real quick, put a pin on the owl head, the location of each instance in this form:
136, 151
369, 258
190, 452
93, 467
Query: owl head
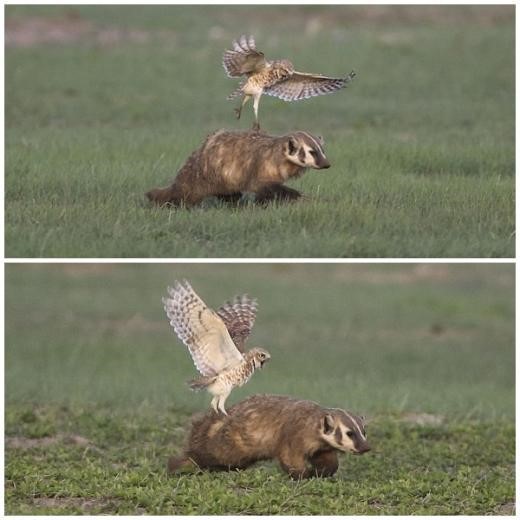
285, 65
259, 356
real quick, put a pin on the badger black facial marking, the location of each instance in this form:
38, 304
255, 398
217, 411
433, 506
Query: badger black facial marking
314, 143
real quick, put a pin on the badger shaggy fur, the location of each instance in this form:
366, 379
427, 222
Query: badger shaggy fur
303, 436
229, 164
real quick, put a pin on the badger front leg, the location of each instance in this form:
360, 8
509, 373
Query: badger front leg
231, 198
294, 465
277, 192
324, 463
182, 464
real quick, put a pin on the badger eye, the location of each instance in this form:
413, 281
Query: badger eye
314, 153
350, 434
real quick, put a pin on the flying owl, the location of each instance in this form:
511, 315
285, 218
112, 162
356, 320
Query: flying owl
275, 78
215, 340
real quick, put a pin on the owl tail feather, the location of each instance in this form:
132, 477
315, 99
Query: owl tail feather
201, 382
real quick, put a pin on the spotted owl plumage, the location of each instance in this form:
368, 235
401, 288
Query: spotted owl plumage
275, 78
215, 340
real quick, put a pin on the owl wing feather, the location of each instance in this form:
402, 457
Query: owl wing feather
201, 330
301, 85
239, 317
244, 58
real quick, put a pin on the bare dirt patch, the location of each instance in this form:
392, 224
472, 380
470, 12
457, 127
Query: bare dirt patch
398, 275
86, 504
68, 29
441, 334
26, 443
312, 20
85, 270
505, 509
385, 15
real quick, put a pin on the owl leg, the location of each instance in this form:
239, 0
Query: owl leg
256, 101
238, 111
214, 403
221, 401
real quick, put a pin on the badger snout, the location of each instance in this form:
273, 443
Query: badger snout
325, 164
320, 161
363, 448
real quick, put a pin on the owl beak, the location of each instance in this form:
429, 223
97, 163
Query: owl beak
264, 361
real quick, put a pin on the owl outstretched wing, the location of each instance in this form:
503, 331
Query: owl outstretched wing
301, 85
201, 330
239, 317
244, 58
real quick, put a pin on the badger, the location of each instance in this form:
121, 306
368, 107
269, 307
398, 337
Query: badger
303, 436
231, 163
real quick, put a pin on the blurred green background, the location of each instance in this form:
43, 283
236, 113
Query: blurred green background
105, 102
372, 338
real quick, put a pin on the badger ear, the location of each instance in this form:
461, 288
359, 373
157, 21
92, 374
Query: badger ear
292, 146
321, 140
327, 423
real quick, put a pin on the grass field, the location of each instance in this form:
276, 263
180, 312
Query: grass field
96, 398
103, 103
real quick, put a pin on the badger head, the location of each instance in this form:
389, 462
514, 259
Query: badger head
344, 431
305, 150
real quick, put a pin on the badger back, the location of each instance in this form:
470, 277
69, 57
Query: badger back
236, 159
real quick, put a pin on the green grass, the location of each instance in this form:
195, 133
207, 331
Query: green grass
96, 398
422, 143
117, 466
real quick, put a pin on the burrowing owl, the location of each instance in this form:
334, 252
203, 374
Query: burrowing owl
274, 78
215, 340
